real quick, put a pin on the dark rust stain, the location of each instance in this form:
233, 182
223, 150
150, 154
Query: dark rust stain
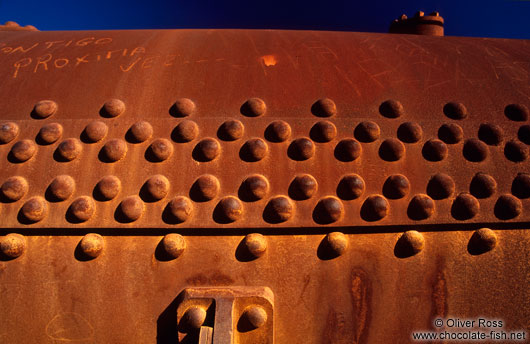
361, 295
439, 306
209, 279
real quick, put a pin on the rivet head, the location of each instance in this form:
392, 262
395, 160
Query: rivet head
348, 150
517, 112
92, 245
410, 132
254, 316
411, 243
132, 208
23, 150
205, 188
337, 242
113, 108
350, 187
396, 186
301, 149
475, 150
278, 131
254, 150
256, 244
465, 207
174, 244
61, 188
35, 209
69, 149
421, 207
302, 187
254, 188
328, 210
44, 108
279, 209
8, 132
323, 131
324, 107
157, 187
508, 207
374, 208
183, 107
482, 185
230, 209
82, 208
455, 110
186, 131
516, 151
254, 107
523, 134
50, 133
14, 188
180, 208
391, 150
141, 131
161, 149
450, 133
13, 245
207, 150
231, 130
521, 185
96, 131
194, 317
367, 131
115, 150
391, 109
108, 187
434, 150
441, 186
482, 241
490, 134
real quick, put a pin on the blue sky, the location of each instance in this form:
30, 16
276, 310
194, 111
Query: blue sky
502, 18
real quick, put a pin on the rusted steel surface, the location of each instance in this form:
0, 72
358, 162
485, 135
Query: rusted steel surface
420, 24
369, 183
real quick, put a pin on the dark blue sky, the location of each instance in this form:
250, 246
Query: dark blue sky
501, 18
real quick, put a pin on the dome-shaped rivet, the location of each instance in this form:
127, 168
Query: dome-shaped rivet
323, 131
482, 185
23, 150
410, 132
108, 187
374, 208
14, 188
279, 209
328, 210
450, 133
475, 150
183, 107
205, 188
254, 150
254, 317
35, 209
44, 109
409, 244
421, 207
82, 208
207, 150
367, 131
193, 318
441, 186
523, 134
229, 209
132, 208
96, 131
517, 112
61, 188
302, 187
141, 131
490, 134
350, 187
391, 150
347, 150
13, 245
180, 208
161, 149
174, 244
465, 207
231, 130
185, 131
278, 131
113, 108
8, 132
434, 150
301, 149
92, 245
396, 186
69, 149
157, 187
255, 244
516, 151
324, 107
114, 150
455, 110
482, 241
521, 186
337, 242
254, 188
391, 109
253, 107
508, 207
50, 133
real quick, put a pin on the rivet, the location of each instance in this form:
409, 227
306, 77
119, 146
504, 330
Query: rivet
132, 208
161, 149
403, 17
465, 207
174, 244
434, 150
391, 150
254, 150
450, 133
516, 112
186, 131
391, 109
410, 132
254, 107
302, 187
256, 244
350, 187
441, 186
278, 131
521, 185
61, 188
301, 149
231, 130
157, 187
516, 151
337, 242
14, 188
8, 132
115, 150
435, 14
482, 185
82, 208
35, 209
23, 150
490, 134
347, 150
96, 131
419, 14
183, 107
205, 188
13, 245
180, 208
483, 240
279, 209
524, 134
194, 317
508, 207
421, 207
323, 131
108, 187
254, 316
69, 149
455, 110
50, 133
475, 150
396, 186
141, 131
92, 245
44, 109
113, 108
207, 150
254, 188
374, 208
229, 209
411, 243
367, 131
329, 209
324, 107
